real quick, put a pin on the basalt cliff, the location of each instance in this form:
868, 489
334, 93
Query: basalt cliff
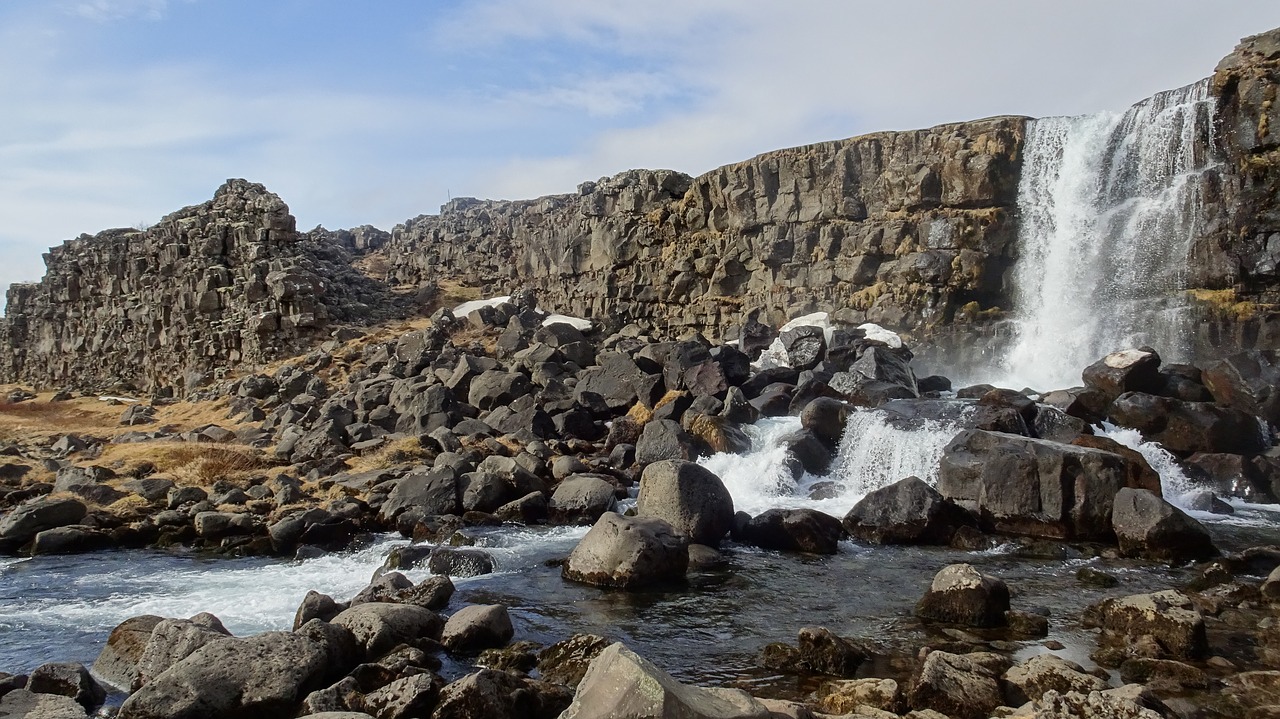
917, 231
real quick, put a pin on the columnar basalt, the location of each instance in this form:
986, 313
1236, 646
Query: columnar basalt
910, 229
207, 288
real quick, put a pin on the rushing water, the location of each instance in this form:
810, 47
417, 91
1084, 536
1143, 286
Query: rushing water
1109, 205
63, 608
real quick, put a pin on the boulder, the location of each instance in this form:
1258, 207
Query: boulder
435, 492
71, 539
1247, 381
805, 346
628, 553
171, 641
1185, 428
431, 593
33, 516
412, 696
622, 684
117, 663
26, 704
1133, 370
67, 679
496, 694
956, 685
581, 499
379, 627
961, 594
1168, 616
566, 662
1034, 487
849, 695
494, 388
792, 530
663, 439
908, 511
451, 562
216, 525
825, 417
689, 498
1045, 672
1147, 526
316, 606
477, 627
263, 675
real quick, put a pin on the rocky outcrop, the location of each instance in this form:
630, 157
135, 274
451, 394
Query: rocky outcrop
900, 228
210, 287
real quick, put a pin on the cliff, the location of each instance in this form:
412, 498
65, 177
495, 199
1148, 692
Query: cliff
207, 288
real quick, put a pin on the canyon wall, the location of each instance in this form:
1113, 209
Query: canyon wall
914, 230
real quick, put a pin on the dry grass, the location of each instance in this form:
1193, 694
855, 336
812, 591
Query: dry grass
405, 450
39, 419
187, 463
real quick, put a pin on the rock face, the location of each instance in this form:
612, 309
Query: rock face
207, 288
620, 683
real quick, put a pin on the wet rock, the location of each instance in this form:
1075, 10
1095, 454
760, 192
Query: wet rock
1139, 473
1234, 475
33, 516
1168, 616
847, 696
501, 695
581, 499
532, 508
316, 606
820, 651
379, 627
957, 686
1188, 427
117, 663
1045, 672
451, 562
566, 662
622, 684
1026, 624
908, 511
689, 498
1166, 673
962, 595
628, 553
825, 418
1033, 487
69, 680
1147, 526
431, 593
69, 540
1132, 370
477, 627
384, 588
792, 530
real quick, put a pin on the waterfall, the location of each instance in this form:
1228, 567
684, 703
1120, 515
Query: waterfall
1109, 205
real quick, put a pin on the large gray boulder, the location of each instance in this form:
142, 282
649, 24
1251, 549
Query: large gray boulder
1169, 616
628, 553
501, 695
688, 497
1147, 526
959, 686
1032, 487
67, 679
36, 515
792, 530
477, 627
620, 683
412, 696
380, 627
664, 439
906, 512
581, 499
1188, 427
960, 594
1130, 370
25, 704
171, 641
259, 676
117, 663
435, 492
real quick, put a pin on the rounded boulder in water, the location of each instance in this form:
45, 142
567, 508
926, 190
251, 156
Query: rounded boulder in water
687, 496
960, 594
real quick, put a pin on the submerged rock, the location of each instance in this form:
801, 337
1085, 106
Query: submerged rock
961, 594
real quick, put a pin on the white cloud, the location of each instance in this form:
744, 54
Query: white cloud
111, 10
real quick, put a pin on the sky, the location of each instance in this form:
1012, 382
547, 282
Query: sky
114, 113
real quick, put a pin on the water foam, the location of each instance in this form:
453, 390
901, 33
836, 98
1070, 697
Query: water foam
1109, 205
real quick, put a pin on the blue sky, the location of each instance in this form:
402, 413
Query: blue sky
116, 112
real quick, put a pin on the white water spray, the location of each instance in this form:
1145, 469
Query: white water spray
1109, 207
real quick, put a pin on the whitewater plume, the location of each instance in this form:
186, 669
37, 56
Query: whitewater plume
1109, 205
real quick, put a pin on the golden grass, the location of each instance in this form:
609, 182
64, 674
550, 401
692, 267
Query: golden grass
641, 414
405, 450
187, 463
39, 419
1225, 301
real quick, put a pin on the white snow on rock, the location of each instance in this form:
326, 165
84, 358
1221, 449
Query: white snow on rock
880, 334
467, 308
578, 323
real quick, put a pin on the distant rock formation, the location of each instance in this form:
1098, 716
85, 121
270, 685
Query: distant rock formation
207, 288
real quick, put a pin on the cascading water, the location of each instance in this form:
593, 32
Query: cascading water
1109, 206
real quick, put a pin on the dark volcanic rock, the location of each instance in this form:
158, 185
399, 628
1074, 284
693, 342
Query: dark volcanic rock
795, 530
906, 512
961, 594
